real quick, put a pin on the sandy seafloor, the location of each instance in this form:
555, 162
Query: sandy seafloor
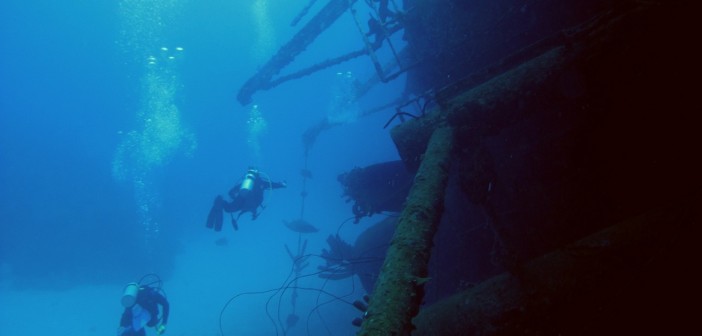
200, 280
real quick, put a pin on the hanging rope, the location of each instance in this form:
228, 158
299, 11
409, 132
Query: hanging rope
303, 193
299, 258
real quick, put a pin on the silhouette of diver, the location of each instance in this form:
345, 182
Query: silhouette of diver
383, 11
379, 27
247, 196
375, 28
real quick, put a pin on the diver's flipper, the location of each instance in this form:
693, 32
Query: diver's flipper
218, 221
215, 218
234, 224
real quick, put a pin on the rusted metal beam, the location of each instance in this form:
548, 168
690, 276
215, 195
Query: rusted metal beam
399, 290
262, 80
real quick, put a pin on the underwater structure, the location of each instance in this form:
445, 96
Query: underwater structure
564, 132
576, 148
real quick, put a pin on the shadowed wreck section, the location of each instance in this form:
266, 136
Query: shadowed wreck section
553, 169
587, 287
586, 133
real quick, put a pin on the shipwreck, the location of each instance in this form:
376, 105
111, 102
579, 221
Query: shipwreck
562, 132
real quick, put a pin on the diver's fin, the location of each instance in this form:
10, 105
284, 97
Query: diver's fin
214, 218
218, 221
234, 223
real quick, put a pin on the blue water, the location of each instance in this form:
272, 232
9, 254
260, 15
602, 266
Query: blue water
109, 164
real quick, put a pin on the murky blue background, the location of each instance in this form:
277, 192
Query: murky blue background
114, 142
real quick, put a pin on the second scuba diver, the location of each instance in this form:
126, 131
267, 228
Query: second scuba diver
247, 196
141, 309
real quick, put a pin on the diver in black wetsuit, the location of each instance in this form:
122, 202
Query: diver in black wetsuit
379, 27
246, 196
377, 30
141, 309
383, 10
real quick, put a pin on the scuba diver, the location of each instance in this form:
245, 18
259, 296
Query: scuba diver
376, 29
247, 196
383, 10
382, 26
141, 309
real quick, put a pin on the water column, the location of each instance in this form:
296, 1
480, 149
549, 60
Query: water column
263, 46
158, 133
256, 127
343, 106
265, 40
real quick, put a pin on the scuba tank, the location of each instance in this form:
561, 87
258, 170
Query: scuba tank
248, 183
130, 294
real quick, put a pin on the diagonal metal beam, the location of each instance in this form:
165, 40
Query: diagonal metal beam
262, 80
